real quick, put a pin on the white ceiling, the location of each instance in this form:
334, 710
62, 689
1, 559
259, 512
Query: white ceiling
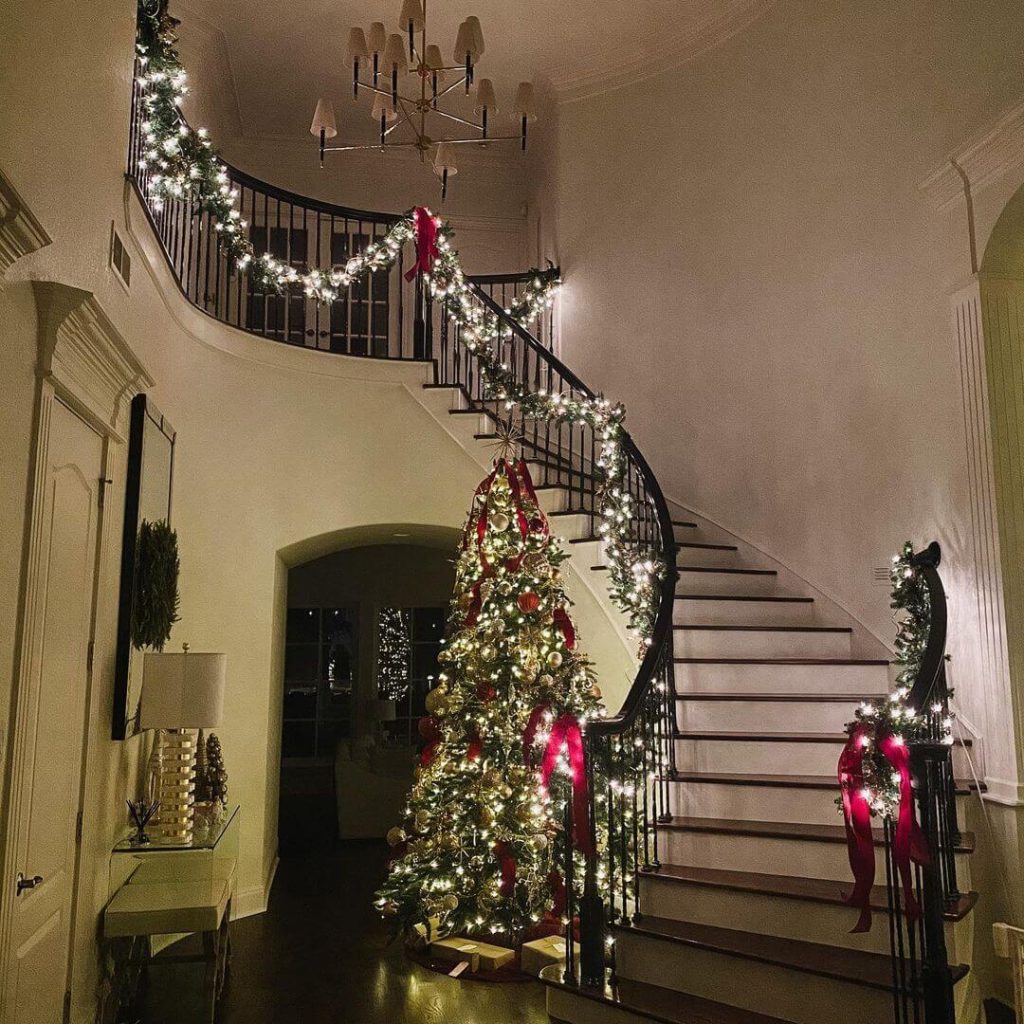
274, 59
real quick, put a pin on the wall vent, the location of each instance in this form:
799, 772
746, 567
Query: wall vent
880, 575
120, 258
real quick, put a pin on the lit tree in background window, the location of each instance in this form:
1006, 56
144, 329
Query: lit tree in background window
392, 654
482, 839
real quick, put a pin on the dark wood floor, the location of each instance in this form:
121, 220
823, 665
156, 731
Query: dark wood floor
320, 956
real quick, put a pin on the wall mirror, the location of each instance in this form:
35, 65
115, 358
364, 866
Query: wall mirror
148, 488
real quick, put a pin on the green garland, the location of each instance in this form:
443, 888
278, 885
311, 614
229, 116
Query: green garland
874, 718
182, 165
155, 607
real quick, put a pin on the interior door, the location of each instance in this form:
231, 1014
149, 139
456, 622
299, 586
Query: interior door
45, 823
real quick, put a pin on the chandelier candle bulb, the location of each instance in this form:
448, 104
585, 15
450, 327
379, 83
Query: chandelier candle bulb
486, 102
375, 43
357, 51
411, 19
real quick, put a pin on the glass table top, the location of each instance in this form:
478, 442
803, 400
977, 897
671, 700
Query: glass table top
202, 838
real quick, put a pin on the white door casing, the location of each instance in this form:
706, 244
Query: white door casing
87, 376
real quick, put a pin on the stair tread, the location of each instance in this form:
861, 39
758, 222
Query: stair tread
716, 628
665, 1005
740, 735
701, 546
801, 831
780, 661
826, 782
727, 569
685, 523
774, 598
753, 696
815, 890
859, 967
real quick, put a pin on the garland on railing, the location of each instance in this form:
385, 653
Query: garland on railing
183, 165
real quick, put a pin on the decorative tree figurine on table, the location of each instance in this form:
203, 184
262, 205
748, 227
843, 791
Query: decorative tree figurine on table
477, 849
216, 773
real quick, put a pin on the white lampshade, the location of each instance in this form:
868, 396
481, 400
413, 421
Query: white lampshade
485, 98
382, 107
433, 58
444, 159
394, 53
183, 691
378, 38
473, 24
412, 11
323, 120
357, 44
465, 43
523, 105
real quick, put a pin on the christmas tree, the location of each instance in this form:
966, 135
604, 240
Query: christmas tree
392, 654
483, 837
216, 773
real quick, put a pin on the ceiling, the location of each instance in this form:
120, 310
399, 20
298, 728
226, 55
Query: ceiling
268, 62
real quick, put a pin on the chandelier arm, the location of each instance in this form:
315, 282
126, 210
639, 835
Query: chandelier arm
371, 145
461, 120
448, 88
476, 142
405, 113
384, 92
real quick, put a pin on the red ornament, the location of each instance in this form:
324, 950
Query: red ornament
486, 691
475, 748
429, 728
529, 601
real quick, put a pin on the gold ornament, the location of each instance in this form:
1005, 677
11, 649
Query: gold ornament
491, 778
546, 680
395, 836
595, 692
555, 659
540, 840
500, 521
435, 701
488, 653
422, 821
450, 902
523, 814
486, 816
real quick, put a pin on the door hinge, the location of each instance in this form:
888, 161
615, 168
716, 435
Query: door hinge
67, 1007
78, 828
90, 653
105, 482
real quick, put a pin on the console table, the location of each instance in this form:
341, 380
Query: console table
162, 892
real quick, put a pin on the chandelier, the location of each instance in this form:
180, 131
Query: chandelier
382, 62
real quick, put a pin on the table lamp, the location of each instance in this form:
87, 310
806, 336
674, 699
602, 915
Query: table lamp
180, 693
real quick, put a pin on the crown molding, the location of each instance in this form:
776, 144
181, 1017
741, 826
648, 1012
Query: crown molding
85, 357
607, 70
984, 158
20, 230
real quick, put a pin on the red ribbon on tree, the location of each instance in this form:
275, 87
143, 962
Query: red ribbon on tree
564, 623
427, 252
503, 851
566, 732
909, 844
428, 752
475, 747
530, 732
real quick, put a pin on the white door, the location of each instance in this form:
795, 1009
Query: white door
46, 813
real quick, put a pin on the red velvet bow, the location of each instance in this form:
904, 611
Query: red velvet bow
566, 732
909, 844
427, 251
564, 623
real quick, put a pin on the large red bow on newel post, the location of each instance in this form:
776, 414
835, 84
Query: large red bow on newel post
427, 252
566, 732
908, 844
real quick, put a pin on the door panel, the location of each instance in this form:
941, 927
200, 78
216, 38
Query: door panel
45, 829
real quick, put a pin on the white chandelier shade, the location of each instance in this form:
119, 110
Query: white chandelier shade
324, 123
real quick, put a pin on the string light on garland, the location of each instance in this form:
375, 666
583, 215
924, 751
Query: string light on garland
183, 165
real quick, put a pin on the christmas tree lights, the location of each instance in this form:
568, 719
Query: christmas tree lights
393, 649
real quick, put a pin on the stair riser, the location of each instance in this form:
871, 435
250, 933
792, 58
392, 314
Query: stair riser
771, 856
707, 556
760, 643
564, 1005
724, 582
757, 757
777, 915
764, 988
567, 528
763, 803
866, 679
763, 716
553, 499
744, 613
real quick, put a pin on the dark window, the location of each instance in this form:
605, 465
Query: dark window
359, 319
279, 316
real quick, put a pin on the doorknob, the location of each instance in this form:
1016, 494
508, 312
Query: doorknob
28, 883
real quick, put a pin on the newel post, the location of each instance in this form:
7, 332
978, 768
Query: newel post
591, 904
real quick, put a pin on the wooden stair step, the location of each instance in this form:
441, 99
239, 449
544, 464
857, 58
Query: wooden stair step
691, 545
794, 698
774, 598
838, 738
858, 967
652, 1002
798, 831
685, 524
712, 628
780, 661
812, 890
727, 569
822, 782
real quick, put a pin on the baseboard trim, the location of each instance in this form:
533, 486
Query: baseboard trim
248, 902
1003, 791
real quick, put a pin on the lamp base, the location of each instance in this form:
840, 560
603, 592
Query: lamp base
175, 786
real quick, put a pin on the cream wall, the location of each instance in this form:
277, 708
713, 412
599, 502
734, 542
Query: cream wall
749, 260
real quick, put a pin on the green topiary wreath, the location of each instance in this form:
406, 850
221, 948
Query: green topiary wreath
155, 609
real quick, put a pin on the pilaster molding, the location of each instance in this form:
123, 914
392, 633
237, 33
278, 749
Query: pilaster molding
20, 230
984, 158
85, 357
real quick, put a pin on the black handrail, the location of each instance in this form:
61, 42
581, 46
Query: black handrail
930, 684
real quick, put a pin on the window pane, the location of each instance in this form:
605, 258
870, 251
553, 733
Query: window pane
303, 625
298, 739
301, 663
427, 623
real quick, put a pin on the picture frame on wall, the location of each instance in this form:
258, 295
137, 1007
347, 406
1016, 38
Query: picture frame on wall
148, 499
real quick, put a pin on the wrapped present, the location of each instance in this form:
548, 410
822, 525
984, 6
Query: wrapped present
424, 934
494, 957
455, 950
541, 953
